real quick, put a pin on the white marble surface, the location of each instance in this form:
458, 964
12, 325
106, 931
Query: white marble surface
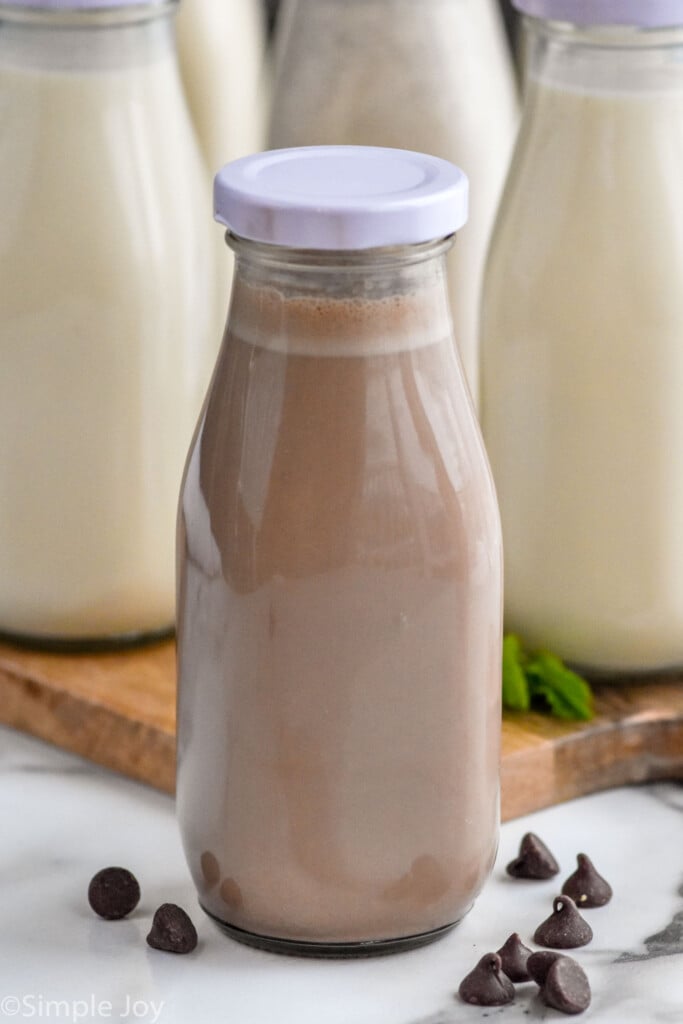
63, 819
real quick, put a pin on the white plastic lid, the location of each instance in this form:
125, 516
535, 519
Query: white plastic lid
80, 5
638, 13
341, 197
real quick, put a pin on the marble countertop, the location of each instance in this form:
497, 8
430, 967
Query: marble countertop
63, 819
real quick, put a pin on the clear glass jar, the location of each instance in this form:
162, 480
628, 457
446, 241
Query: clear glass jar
582, 322
339, 615
107, 270
434, 76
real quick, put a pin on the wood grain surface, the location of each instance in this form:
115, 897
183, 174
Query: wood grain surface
118, 710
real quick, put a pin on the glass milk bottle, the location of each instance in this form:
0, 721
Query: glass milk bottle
106, 309
428, 75
339, 633
582, 327
222, 48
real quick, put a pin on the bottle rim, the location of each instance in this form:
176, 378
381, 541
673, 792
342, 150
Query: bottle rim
337, 260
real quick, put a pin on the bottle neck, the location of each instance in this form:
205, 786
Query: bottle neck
96, 40
340, 304
615, 59
393, 269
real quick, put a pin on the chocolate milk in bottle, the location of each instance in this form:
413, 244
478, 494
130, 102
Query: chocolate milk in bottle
339, 617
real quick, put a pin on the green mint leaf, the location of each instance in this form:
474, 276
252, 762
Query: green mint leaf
516, 694
567, 694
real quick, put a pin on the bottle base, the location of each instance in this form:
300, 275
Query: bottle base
602, 675
85, 645
330, 950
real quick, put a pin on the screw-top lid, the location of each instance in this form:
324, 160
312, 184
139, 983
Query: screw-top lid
341, 197
80, 5
638, 13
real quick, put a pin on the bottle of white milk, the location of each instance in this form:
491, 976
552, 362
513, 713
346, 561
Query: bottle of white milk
428, 75
222, 50
107, 309
582, 337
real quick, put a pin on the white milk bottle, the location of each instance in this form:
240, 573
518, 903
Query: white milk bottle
434, 76
107, 308
582, 329
221, 44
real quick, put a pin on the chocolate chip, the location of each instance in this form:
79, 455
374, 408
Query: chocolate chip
586, 887
513, 956
565, 928
534, 860
172, 930
486, 985
566, 986
113, 893
539, 964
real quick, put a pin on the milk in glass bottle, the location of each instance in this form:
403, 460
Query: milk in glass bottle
106, 314
339, 612
434, 76
222, 49
582, 325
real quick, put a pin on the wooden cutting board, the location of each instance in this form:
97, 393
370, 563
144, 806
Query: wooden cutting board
119, 710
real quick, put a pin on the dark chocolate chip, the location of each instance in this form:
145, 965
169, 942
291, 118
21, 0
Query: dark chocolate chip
586, 887
113, 893
172, 930
486, 985
566, 986
514, 955
539, 964
565, 928
534, 860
